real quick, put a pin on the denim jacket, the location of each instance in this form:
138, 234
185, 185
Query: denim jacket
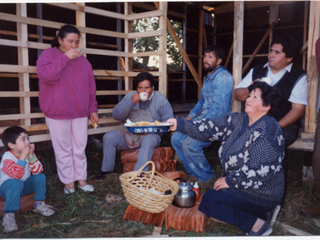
215, 97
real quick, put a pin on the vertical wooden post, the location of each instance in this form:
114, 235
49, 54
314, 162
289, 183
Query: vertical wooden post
201, 16
273, 18
120, 62
23, 59
312, 75
237, 49
81, 21
163, 49
39, 28
184, 67
128, 85
182, 51
305, 24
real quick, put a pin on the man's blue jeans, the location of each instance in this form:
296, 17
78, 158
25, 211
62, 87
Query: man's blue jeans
190, 152
13, 189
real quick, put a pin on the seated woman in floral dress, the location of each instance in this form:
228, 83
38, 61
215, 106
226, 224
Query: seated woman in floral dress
251, 154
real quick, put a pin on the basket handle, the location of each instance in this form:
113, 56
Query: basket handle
141, 169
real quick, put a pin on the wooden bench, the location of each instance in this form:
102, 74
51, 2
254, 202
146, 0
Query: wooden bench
26, 203
40, 132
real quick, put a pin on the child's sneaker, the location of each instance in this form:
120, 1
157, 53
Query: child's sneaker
9, 222
44, 209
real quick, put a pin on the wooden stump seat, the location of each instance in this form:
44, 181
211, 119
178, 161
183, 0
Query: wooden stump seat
188, 219
163, 157
26, 203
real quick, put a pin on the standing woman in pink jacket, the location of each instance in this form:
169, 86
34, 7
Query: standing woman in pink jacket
67, 97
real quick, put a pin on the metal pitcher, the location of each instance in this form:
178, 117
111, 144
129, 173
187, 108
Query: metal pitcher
185, 197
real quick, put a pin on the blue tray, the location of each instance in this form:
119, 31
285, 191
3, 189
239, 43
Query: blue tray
148, 129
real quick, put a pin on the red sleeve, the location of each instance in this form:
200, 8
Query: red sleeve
36, 167
12, 169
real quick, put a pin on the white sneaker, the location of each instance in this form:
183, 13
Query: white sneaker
44, 209
9, 222
87, 188
71, 190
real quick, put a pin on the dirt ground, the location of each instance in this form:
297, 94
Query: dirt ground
89, 215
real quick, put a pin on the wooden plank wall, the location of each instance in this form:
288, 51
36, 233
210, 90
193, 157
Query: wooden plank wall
25, 72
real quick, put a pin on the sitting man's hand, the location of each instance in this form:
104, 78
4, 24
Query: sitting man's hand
135, 98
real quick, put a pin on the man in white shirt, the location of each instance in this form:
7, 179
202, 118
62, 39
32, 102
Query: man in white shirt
290, 80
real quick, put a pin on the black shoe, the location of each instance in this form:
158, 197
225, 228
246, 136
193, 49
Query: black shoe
102, 176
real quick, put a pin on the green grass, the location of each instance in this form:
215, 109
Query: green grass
84, 215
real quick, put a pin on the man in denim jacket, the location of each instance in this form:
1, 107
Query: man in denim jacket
215, 101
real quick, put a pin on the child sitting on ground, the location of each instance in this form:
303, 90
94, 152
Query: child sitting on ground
20, 175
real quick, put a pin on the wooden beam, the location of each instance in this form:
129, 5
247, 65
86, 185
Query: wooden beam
21, 116
205, 42
23, 59
200, 46
183, 52
312, 73
149, 14
302, 144
145, 34
163, 6
91, 131
98, 72
151, 7
25, 44
237, 49
21, 94
258, 48
293, 230
128, 46
81, 22
83, 48
229, 55
229, 7
112, 92
91, 10
305, 29
56, 25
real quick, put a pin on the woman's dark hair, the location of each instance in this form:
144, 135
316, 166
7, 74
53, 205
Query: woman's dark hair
145, 76
289, 44
11, 134
218, 51
269, 95
64, 30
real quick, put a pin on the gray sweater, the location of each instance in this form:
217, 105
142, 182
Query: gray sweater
160, 107
251, 156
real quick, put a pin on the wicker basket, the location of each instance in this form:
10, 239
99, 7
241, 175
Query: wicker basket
136, 187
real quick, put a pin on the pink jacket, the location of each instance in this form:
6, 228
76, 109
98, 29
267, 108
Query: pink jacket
67, 87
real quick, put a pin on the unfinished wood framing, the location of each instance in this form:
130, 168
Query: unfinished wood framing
237, 49
25, 72
22, 36
312, 73
26, 41
163, 49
